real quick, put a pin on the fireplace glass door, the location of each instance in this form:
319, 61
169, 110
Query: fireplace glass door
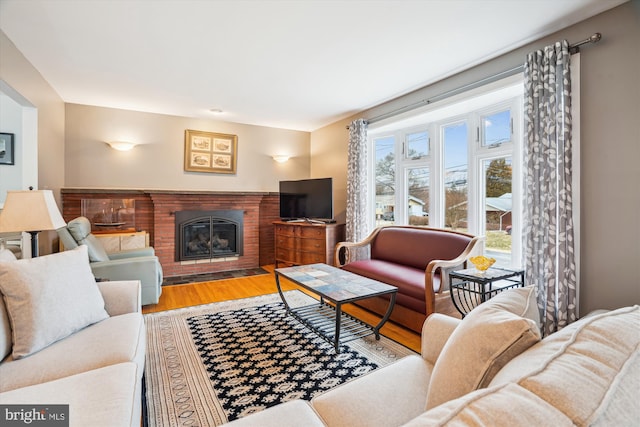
206, 237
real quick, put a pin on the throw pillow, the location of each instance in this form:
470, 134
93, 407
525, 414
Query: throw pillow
5, 328
49, 298
7, 255
487, 338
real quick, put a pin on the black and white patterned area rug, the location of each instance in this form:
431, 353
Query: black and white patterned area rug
214, 363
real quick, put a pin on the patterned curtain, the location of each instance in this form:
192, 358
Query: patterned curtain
548, 225
357, 227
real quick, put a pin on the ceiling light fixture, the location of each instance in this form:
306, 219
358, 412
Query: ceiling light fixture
122, 145
281, 158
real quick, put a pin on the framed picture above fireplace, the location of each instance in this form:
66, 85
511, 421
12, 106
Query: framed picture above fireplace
210, 152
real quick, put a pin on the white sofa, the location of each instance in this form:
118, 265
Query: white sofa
491, 369
65, 339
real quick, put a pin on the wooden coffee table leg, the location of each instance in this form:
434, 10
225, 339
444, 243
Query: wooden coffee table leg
392, 303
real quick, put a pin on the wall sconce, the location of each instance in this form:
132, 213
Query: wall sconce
122, 145
281, 158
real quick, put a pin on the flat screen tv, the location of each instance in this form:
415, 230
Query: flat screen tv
307, 199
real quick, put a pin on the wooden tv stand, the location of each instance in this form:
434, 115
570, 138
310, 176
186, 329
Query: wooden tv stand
298, 243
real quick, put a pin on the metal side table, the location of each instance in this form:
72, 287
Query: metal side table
471, 287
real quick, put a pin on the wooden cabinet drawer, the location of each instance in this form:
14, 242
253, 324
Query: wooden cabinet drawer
312, 232
285, 230
287, 242
287, 255
312, 245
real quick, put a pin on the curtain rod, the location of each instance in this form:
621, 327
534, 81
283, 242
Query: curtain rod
573, 48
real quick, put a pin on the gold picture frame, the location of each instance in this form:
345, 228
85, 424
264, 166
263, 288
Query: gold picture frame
210, 152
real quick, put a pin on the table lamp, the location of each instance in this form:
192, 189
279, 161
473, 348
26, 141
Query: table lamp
30, 211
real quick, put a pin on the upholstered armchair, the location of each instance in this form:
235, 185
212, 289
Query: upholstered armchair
135, 264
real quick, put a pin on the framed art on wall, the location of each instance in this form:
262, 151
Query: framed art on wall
7, 156
210, 152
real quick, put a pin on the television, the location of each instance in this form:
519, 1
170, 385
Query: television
307, 200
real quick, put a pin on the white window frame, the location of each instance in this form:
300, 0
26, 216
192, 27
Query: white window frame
432, 119
403, 164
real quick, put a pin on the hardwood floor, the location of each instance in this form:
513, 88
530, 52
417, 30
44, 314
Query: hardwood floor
178, 296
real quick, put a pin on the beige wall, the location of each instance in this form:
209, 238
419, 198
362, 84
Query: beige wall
610, 138
158, 162
23, 78
11, 177
20, 75
329, 159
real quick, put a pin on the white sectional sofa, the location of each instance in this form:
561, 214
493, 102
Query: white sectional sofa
491, 369
65, 339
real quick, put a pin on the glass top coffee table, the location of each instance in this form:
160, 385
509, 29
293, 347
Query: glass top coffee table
335, 287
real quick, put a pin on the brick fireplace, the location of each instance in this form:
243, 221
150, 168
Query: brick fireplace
156, 214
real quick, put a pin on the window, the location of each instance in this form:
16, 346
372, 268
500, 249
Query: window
497, 205
417, 201
451, 165
417, 145
496, 128
456, 169
385, 181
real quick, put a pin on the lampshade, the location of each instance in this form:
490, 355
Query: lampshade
30, 211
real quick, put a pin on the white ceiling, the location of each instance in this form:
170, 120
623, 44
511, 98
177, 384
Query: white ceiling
288, 64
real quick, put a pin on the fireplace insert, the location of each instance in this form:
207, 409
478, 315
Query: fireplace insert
208, 234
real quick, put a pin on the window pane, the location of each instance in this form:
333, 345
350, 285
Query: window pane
455, 178
418, 197
498, 209
385, 180
417, 145
496, 128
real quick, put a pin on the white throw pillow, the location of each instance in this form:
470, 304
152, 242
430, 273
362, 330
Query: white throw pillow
5, 328
6, 255
485, 340
49, 298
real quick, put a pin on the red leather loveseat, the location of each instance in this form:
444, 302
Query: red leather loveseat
413, 259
